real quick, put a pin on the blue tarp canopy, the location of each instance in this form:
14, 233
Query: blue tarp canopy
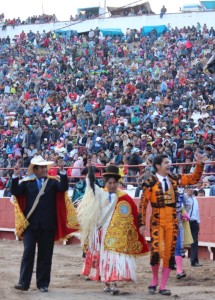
67, 33
159, 28
111, 31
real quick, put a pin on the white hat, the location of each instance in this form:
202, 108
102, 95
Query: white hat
38, 161
165, 141
99, 125
135, 150
98, 139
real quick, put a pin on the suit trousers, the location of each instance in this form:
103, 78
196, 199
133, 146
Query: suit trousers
44, 239
194, 227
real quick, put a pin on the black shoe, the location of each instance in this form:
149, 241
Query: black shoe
181, 275
20, 287
113, 289
165, 292
43, 289
152, 289
196, 265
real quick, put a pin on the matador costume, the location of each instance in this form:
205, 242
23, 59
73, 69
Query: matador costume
164, 223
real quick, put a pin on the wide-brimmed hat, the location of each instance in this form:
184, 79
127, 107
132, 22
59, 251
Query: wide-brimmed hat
112, 171
38, 161
211, 178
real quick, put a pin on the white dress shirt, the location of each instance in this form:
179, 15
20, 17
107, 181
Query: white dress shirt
193, 208
161, 179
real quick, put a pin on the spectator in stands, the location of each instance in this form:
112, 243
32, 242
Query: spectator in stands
201, 193
163, 11
211, 180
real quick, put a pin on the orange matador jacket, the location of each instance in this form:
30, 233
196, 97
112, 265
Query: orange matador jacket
153, 192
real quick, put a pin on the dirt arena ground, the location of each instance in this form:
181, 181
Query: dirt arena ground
67, 284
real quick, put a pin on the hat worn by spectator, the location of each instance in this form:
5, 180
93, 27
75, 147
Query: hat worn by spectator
209, 147
165, 142
98, 139
211, 178
135, 150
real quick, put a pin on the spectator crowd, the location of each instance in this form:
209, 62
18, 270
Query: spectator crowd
40, 19
107, 100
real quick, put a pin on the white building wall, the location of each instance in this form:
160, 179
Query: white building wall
179, 20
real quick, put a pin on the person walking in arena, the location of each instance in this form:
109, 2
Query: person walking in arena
108, 221
43, 213
192, 208
161, 191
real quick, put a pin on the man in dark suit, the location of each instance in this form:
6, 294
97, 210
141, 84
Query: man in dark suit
42, 222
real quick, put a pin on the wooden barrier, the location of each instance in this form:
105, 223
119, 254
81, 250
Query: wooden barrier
207, 228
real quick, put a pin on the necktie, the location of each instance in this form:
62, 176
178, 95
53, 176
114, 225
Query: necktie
165, 185
39, 183
110, 197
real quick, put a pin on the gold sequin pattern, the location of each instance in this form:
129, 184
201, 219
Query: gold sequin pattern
21, 223
71, 220
122, 235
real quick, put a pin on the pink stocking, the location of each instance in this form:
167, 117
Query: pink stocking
179, 262
165, 277
155, 270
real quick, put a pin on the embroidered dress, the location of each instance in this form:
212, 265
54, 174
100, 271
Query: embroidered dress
113, 240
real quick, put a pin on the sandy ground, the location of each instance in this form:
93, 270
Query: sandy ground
68, 284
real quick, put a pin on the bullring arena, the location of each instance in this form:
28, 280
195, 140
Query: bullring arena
68, 284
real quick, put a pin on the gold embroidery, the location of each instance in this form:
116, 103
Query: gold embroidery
122, 235
21, 223
169, 196
71, 216
120, 193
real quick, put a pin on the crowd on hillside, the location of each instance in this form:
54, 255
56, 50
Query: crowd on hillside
107, 100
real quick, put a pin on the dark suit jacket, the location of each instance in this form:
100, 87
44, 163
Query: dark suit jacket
44, 216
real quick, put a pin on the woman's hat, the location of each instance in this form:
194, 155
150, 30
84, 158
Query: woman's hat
38, 161
112, 171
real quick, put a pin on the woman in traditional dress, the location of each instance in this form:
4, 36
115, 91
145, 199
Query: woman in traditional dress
109, 231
